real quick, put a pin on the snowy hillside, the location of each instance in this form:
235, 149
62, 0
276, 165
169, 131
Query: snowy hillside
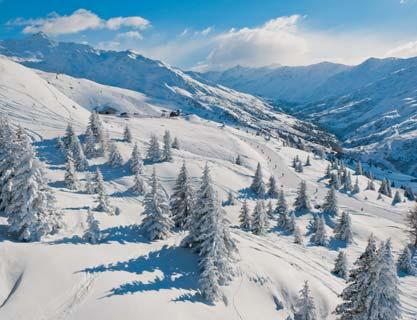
65, 277
293, 84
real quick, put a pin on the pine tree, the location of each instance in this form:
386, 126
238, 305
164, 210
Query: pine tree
291, 225
270, 210
176, 144
302, 203
330, 206
90, 188
139, 186
244, 217
60, 144
340, 266
383, 189
305, 308
371, 185
281, 210
299, 167
70, 178
80, 160
356, 188
297, 236
358, 287
90, 149
409, 194
347, 184
157, 223
397, 198
182, 199
272, 188
166, 151
259, 219
92, 233
319, 237
96, 127
328, 172
69, 133
31, 210
404, 263
136, 162
115, 158
258, 186
308, 163
127, 135
102, 199
358, 169
238, 160
411, 220
154, 152
209, 279
343, 230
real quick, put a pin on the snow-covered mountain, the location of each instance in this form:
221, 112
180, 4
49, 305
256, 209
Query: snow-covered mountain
293, 84
159, 83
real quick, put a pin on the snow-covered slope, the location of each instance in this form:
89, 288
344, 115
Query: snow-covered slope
27, 99
127, 277
294, 84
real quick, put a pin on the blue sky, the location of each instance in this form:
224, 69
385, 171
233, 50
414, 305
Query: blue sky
222, 33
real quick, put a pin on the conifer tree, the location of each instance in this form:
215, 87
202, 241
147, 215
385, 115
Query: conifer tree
411, 220
90, 149
397, 198
127, 135
356, 189
297, 236
319, 237
358, 169
136, 162
328, 172
115, 158
371, 184
90, 188
272, 188
176, 144
70, 178
258, 186
340, 267
299, 167
270, 210
92, 233
291, 225
102, 198
308, 163
343, 230
281, 210
182, 199
383, 189
157, 223
60, 144
31, 207
244, 217
302, 202
347, 184
330, 206
139, 186
69, 133
404, 263
166, 151
238, 160
80, 160
259, 219
409, 194
154, 152
305, 308
96, 127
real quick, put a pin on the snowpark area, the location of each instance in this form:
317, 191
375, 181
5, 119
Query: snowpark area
65, 277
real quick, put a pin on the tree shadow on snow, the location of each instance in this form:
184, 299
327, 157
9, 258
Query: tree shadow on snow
48, 153
178, 266
335, 244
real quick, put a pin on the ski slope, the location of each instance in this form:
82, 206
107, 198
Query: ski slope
127, 277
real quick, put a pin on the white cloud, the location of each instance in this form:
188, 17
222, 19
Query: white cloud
129, 35
406, 50
80, 20
205, 31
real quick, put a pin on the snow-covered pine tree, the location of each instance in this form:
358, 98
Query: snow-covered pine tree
347, 184
69, 133
383, 189
115, 158
60, 144
270, 210
340, 268
302, 202
70, 177
80, 160
182, 199
356, 188
258, 186
96, 127
299, 167
330, 206
244, 217
308, 162
166, 150
281, 210
259, 219
92, 233
209, 279
127, 135
305, 308
139, 186
319, 237
343, 230
404, 263
411, 220
154, 152
397, 198
90, 187
238, 160
334, 181
298, 239
90, 149
409, 194
272, 188
291, 224
136, 162
176, 144
358, 285
389, 194
102, 198
157, 223
31, 210
358, 169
